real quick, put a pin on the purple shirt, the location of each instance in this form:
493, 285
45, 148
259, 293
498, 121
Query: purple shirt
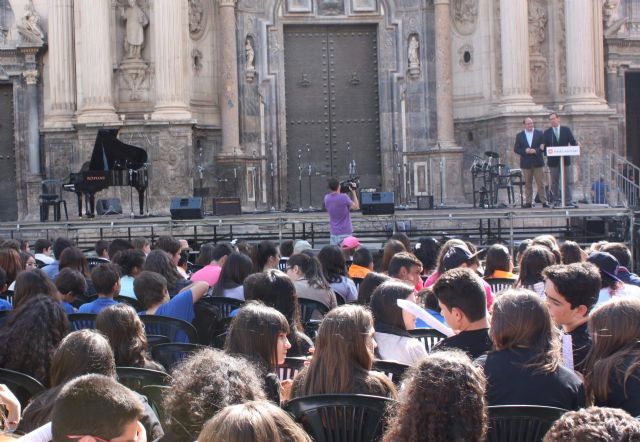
338, 206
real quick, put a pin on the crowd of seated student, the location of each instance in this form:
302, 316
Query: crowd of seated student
514, 336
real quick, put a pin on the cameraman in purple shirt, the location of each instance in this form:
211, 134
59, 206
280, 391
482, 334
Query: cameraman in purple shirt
338, 206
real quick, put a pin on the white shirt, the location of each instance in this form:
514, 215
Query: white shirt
44, 258
529, 136
399, 348
626, 290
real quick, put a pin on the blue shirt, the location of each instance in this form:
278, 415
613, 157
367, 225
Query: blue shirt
126, 287
178, 307
68, 308
52, 269
5, 305
97, 306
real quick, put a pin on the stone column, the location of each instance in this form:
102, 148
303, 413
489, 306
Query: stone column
514, 37
33, 122
444, 74
62, 78
581, 51
169, 27
229, 76
94, 69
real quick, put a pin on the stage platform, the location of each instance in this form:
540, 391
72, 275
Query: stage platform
584, 224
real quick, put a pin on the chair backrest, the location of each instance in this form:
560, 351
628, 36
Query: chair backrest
393, 370
357, 281
80, 321
23, 386
520, 423
428, 336
310, 309
172, 353
153, 340
225, 305
290, 368
499, 284
340, 417
129, 301
136, 378
50, 190
176, 330
155, 395
93, 261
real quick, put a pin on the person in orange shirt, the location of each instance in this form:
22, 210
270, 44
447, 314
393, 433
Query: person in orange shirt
362, 264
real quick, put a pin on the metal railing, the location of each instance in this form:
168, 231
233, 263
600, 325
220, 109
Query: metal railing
625, 181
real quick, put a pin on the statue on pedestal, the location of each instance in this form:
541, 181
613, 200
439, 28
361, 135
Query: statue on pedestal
413, 54
136, 21
29, 29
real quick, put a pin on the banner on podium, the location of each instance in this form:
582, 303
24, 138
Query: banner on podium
563, 151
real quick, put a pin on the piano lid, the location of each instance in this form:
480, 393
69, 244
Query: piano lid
109, 153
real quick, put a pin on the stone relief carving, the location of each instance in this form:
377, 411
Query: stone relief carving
196, 58
464, 15
413, 55
197, 19
29, 28
562, 52
613, 23
538, 19
330, 7
250, 55
135, 77
136, 20
466, 56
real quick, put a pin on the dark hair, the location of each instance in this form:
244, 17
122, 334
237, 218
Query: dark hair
36, 327
522, 247
212, 252
498, 258
333, 263
391, 247
102, 245
104, 277
362, 257
403, 260
169, 244
30, 284
160, 262
93, 405
383, 304
124, 330
430, 299
71, 281
311, 268
59, 245
205, 383
129, 259
234, 271
24, 257
11, 263
140, 243
578, 283
521, 320
426, 250
368, 285
462, 288
41, 244
262, 252
3, 278
595, 424
149, 287
451, 394
619, 251
72, 257
404, 239
286, 248
570, 252
333, 184
532, 262
443, 251
254, 334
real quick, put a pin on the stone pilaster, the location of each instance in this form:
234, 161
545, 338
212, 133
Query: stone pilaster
514, 38
33, 122
95, 71
229, 77
62, 79
581, 48
444, 74
169, 27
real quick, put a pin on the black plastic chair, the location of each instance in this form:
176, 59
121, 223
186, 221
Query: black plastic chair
340, 417
225, 305
137, 378
290, 368
499, 284
311, 314
393, 370
81, 321
521, 423
357, 281
428, 336
23, 386
155, 395
51, 196
153, 340
176, 330
503, 181
172, 353
129, 301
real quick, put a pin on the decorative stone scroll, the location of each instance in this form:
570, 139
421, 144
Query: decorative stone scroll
464, 15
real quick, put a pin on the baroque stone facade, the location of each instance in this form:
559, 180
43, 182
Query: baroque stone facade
200, 85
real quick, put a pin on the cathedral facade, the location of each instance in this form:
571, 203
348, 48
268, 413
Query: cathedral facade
263, 100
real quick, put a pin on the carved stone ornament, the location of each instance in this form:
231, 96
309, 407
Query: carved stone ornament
464, 15
538, 19
196, 59
330, 7
31, 76
136, 20
413, 56
135, 74
250, 55
613, 23
29, 27
197, 18
466, 56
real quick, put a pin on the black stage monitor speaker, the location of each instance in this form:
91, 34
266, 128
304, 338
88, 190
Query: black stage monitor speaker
425, 202
377, 203
109, 206
226, 206
186, 208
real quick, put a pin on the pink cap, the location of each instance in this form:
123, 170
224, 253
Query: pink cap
350, 242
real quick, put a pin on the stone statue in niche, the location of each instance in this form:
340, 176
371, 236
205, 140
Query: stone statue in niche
29, 29
613, 23
537, 27
250, 56
197, 18
465, 14
413, 55
136, 21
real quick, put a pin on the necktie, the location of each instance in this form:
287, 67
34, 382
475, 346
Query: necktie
556, 131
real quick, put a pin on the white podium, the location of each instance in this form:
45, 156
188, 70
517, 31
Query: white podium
562, 151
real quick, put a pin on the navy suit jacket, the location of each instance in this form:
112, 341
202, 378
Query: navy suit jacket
527, 160
566, 139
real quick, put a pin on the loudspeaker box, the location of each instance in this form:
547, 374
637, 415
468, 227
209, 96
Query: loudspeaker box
377, 203
186, 208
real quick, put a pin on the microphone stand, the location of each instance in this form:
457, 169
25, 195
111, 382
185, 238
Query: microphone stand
309, 167
299, 180
272, 177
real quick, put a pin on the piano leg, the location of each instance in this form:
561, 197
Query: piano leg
90, 200
79, 195
141, 201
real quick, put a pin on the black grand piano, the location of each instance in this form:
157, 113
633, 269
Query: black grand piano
113, 163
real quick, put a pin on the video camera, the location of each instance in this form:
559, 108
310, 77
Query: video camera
348, 184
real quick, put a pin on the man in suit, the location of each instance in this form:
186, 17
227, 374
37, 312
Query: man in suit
558, 135
530, 146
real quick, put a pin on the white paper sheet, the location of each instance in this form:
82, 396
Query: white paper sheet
567, 351
427, 317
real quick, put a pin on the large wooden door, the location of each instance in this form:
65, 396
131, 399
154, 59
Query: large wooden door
8, 196
632, 104
331, 87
